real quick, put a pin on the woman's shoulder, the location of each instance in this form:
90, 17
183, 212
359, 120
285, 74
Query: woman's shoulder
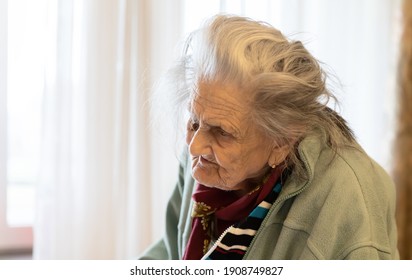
348, 164
350, 182
346, 175
346, 191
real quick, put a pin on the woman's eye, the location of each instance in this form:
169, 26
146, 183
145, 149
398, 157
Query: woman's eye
193, 126
223, 133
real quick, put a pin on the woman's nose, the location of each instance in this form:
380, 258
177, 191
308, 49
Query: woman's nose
199, 144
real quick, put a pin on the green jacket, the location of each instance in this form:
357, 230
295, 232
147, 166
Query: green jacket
345, 210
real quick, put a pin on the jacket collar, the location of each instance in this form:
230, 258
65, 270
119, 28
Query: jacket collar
309, 149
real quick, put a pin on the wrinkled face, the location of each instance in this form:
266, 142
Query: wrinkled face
228, 151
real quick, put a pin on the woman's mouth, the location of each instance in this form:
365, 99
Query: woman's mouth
203, 161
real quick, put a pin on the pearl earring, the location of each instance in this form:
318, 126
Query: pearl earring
273, 166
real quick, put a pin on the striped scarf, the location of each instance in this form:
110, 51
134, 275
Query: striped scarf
234, 242
215, 210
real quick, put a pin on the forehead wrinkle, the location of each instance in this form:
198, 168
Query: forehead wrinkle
217, 112
234, 123
218, 103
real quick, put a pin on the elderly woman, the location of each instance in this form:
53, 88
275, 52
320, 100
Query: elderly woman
271, 172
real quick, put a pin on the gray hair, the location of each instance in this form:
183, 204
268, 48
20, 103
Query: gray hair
286, 82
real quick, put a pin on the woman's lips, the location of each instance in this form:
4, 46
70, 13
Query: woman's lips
203, 161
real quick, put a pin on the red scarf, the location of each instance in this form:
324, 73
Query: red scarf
223, 206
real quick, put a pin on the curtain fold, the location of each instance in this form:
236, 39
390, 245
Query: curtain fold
403, 143
95, 192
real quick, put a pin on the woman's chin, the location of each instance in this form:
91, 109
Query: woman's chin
203, 177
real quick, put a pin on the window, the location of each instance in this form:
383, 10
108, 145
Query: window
22, 30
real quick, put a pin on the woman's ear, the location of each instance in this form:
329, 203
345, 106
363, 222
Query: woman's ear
278, 155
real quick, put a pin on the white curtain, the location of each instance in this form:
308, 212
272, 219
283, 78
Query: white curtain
104, 167
106, 172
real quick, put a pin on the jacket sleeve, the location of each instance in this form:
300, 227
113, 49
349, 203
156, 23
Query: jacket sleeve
167, 247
